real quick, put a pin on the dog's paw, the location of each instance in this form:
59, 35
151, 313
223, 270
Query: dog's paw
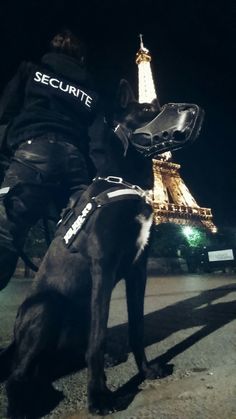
101, 402
154, 372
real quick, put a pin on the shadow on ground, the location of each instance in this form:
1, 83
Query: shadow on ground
202, 311
196, 311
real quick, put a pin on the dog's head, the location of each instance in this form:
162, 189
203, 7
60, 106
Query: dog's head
129, 111
130, 115
153, 130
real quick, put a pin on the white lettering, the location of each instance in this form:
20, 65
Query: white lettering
38, 76
88, 101
45, 79
72, 89
82, 95
51, 82
67, 88
61, 88
77, 223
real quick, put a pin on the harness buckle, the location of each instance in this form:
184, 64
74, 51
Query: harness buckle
114, 179
120, 181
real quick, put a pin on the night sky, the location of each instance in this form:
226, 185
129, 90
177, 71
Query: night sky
192, 44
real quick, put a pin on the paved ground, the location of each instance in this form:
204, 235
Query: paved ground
190, 322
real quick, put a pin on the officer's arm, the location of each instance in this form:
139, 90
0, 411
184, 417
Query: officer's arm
12, 97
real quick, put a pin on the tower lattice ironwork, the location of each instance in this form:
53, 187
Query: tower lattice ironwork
172, 200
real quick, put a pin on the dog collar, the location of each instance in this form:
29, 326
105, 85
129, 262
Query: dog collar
120, 181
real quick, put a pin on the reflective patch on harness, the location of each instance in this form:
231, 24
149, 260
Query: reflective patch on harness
77, 224
3, 191
122, 192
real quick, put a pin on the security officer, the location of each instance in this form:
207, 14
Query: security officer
49, 139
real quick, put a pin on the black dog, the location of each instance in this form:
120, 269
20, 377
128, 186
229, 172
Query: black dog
100, 239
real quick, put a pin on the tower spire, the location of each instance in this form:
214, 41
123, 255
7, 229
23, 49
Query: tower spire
141, 41
147, 91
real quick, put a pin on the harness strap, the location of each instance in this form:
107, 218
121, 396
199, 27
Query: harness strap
121, 192
120, 181
104, 198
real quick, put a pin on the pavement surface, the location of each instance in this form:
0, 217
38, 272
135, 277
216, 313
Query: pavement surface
190, 323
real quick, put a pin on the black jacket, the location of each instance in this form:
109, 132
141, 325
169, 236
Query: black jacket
57, 96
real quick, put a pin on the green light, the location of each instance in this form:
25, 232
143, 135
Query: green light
193, 236
188, 231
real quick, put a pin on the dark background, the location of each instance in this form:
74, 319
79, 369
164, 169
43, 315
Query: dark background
192, 44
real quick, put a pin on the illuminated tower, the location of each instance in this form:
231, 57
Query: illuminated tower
146, 86
172, 200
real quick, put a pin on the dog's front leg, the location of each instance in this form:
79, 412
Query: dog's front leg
100, 399
135, 290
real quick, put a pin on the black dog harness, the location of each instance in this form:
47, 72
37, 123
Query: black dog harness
75, 221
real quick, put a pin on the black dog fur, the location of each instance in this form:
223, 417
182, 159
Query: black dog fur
70, 302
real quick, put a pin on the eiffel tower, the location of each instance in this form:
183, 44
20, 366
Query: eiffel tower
172, 200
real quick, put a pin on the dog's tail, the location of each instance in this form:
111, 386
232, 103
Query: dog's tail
6, 357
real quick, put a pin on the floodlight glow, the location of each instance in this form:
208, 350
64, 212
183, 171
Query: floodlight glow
188, 231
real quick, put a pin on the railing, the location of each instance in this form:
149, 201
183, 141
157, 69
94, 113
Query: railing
181, 210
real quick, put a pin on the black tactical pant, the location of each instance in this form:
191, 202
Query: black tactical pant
43, 171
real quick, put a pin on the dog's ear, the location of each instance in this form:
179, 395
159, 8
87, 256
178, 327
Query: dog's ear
156, 105
125, 94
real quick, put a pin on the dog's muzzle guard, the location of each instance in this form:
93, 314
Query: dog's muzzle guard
177, 125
